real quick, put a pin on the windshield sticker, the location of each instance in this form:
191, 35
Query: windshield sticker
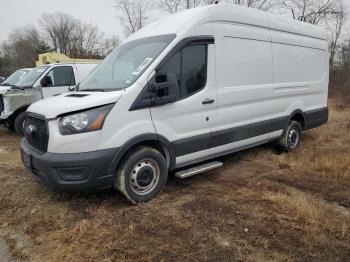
142, 66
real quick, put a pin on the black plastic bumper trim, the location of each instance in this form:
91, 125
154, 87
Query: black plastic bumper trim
313, 119
316, 118
71, 172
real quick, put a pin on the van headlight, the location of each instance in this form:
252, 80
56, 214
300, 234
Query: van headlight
85, 121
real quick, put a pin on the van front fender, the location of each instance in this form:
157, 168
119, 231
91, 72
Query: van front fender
144, 140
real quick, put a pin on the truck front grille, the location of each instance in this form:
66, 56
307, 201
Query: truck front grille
36, 132
1, 104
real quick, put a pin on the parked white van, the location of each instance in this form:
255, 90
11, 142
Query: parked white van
182, 91
41, 82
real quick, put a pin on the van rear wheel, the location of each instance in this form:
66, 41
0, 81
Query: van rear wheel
142, 174
291, 137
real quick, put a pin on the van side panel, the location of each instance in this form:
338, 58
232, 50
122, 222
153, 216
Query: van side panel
244, 84
301, 75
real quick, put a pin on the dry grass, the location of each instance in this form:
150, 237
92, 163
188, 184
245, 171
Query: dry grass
261, 206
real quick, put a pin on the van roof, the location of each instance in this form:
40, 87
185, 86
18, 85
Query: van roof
227, 13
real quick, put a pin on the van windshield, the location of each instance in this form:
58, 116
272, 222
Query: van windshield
125, 64
15, 77
32, 76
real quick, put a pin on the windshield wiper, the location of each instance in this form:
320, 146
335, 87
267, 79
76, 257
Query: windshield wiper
92, 90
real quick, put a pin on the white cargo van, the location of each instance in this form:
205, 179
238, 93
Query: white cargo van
41, 82
182, 91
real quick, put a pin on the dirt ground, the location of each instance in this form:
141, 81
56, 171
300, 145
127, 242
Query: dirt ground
262, 205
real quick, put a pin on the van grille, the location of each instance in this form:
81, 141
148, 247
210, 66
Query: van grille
1, 104
36, 132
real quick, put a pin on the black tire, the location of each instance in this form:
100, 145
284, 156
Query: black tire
291, 137
142, 175
19, 121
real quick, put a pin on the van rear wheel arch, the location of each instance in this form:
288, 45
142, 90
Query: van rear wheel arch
298, 116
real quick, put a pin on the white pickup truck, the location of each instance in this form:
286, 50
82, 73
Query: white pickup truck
41, 82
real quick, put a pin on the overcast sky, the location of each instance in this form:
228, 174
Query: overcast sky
22, 12
102, 13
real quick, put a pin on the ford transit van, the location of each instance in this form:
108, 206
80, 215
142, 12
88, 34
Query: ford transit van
177, 94
41, 82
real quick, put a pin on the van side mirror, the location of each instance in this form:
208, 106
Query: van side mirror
46, 81
73, 88
165, 89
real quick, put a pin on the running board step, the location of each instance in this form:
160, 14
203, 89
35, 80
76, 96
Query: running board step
198, 169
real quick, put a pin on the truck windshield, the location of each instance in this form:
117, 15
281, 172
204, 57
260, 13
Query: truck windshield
32, 76
125, 64
15, 77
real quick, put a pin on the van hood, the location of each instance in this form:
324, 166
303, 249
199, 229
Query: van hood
71, 102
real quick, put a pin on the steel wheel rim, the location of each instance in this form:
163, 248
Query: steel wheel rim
144, 176
293, 137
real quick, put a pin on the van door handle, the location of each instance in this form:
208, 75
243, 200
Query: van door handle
208, 101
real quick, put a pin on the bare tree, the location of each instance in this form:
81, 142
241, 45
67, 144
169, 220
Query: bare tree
210, 2
192, 3
174, 6
22, 47
340, 76
70, 36
133, 14
171, 6
335, 25
258, 4
311, 11
108, 45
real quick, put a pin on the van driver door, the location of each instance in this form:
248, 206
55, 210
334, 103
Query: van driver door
57, 81
187, 121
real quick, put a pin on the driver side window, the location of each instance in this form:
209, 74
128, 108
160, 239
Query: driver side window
190, 66
59, 76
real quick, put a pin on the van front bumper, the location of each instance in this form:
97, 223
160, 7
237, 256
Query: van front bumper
70, 172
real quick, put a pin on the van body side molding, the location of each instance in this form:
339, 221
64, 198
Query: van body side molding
194, 144
227, 136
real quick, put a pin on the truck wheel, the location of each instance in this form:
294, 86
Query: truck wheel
291, 137
142, 174
10, 125
19, 121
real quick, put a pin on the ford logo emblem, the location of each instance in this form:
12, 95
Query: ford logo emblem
30, 130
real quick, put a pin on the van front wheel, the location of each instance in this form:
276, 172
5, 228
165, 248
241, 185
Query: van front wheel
142, 174
291, 137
